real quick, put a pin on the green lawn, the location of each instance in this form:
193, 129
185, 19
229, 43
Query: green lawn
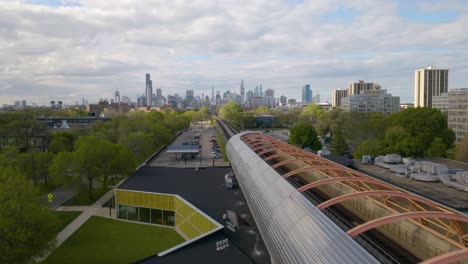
65, 218
103, 240
222, 144
82, 198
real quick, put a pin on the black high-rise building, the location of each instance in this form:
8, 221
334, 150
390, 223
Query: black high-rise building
149, 90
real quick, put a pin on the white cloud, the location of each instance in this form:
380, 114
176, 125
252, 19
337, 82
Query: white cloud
70, 52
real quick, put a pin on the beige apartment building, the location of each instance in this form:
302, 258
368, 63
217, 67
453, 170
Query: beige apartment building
428, 83
337, 95
360, 87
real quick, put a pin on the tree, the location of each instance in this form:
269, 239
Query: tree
26, 227
123, 162
304, 135
231, 112
203, 112
261, 110
139, 144
311, 113
61, 141
338, 146
425, 124
437, 149
34, 165
462, 150
88, 160
373, 147
105, 154
63, 168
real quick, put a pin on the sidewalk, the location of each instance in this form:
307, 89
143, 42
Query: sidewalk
88, 211
61, 195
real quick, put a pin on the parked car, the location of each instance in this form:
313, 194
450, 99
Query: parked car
216, 155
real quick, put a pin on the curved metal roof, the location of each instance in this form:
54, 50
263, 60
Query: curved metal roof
294, 230
446, 224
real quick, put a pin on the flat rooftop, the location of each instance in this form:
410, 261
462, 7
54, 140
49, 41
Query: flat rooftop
204, 189
435, 191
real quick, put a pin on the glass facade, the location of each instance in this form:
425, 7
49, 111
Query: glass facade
162, 209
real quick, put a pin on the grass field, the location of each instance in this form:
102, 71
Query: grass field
65, 218
103, 240
82, 198
222, 144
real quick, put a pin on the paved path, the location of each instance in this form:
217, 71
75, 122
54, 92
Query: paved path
88, 211
83, 217
61, 195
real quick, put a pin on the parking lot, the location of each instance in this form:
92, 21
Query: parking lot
205, 133
280, 134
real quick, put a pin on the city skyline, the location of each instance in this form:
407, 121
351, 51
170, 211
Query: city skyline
94, 50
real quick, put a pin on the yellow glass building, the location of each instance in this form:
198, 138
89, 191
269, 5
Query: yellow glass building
167, 210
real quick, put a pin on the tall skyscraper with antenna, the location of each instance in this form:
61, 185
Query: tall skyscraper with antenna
149, 90
213, 99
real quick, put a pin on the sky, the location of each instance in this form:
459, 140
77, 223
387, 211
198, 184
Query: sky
69, 50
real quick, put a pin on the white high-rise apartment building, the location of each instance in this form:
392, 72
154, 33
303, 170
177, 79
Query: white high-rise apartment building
428, 83
371, 101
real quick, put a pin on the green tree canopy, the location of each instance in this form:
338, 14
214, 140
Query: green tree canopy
311, 113
303, 134
425, 124
338, 146
61, 141
462, 150
231, 112
437, 149
26, 227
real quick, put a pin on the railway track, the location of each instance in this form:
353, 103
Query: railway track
227, 128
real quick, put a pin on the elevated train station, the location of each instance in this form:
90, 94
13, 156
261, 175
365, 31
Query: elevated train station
311, 210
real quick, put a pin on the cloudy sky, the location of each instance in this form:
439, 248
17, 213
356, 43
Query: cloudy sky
67, 50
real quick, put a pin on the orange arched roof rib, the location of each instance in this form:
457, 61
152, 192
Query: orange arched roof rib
311, 168
400, 194
404, 216
286, 162
457, 255
343, 179
262, 145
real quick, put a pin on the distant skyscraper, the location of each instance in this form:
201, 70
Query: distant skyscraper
269, 98
213, 99
316, 98
242, 92
306, 94
428, 83
256, 92
249, 95
159, 92
149, 90
117, 97
337, 95
189, 98
283, 100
